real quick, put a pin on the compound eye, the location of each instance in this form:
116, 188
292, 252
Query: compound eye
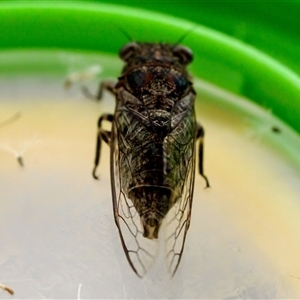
136, 80
129, 50
184, 54
181, 83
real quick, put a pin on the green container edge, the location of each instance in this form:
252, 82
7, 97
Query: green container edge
273, 28
220, 59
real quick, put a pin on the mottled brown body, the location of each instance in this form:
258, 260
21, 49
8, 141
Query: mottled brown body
152, 144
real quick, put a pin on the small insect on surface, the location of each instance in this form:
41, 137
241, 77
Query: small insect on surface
152, 151
9, 149
5, 288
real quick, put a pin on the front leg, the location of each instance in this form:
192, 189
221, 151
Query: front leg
104, 85
200, 136
102, 135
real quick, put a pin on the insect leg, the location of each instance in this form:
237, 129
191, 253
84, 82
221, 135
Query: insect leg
200, 136
102, 135
104, 85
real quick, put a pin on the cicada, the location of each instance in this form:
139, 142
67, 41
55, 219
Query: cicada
152, 151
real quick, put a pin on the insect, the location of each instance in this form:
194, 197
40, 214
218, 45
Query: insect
5, 288
18, 156
86, 74
152, 151
276, 129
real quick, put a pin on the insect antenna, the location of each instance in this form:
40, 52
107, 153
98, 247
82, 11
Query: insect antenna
126, 34
184, 35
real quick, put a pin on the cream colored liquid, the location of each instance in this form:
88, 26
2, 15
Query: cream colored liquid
58, 237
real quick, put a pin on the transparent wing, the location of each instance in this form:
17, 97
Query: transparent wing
140, 251
178, 219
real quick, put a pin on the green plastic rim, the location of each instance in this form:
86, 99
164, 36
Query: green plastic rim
222, 60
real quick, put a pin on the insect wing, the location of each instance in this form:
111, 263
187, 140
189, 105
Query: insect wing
140, 251
178, 222
178, 219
